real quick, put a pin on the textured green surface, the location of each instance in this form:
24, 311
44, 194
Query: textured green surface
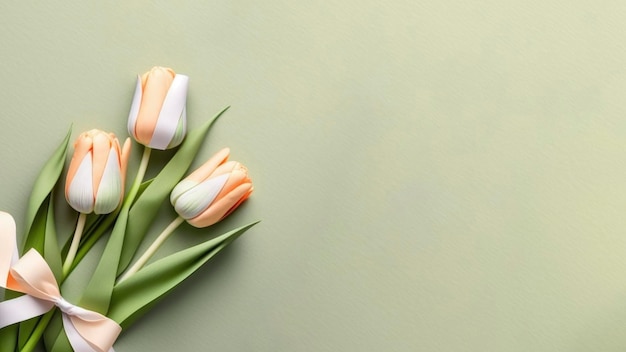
431, 175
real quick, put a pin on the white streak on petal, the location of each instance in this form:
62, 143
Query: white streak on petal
110, 190
182, 187
134, 108
196, 200
171, 112
80, 193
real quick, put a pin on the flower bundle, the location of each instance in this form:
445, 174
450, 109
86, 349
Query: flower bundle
122, 287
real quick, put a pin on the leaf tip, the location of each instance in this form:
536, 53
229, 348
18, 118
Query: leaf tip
220, 113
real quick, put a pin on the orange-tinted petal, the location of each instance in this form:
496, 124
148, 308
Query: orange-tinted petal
204, 171
134, 108
124, 156
243, 198
144, 79
101, 150
155, 87
225, 168
220, 207
238, 176
82, 146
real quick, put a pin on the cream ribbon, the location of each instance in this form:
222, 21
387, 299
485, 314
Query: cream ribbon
87, 331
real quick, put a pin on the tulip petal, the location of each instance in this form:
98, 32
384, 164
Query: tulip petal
134, 108
225, 168
82, 146
109, 192
196, 200
155, 90
101, 150
204, 171
80, 190
124, 155
172, 111
182, 187
238, 176
222, 206
241, 200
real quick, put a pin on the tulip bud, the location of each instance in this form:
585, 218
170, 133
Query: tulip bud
213, 191
95, 179
158, 117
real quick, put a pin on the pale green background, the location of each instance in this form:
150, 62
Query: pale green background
431, 175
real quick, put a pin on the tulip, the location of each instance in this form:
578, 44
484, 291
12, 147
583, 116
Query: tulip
95, 179
203, 198
213, 191
158, 115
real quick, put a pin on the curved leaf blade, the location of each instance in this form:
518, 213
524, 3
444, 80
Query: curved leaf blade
44, 184
97, 294
137, 294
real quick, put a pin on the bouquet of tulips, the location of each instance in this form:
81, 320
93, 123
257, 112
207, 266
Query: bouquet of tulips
122, 286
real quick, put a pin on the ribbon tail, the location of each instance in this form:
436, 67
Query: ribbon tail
22, 308
79, 344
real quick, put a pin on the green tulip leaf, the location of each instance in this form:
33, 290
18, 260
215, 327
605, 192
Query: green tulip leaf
142, 188
44, 184
45, 222
97, 294
54, 337
140, 292
51, 253
38, 226
40, 235
134, 296
146, 207
8, 335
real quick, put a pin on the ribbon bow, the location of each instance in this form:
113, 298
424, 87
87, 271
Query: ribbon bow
87, 331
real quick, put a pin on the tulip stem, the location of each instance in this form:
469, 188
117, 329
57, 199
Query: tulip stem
152, 249
34, 338
141, 172
80, 226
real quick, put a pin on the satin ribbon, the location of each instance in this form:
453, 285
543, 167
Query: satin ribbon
87, 331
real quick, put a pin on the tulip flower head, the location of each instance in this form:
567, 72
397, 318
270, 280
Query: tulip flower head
158, 117
213, 191
97, 171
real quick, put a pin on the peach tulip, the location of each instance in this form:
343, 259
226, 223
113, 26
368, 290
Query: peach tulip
95, 179
158, 117
213, 191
